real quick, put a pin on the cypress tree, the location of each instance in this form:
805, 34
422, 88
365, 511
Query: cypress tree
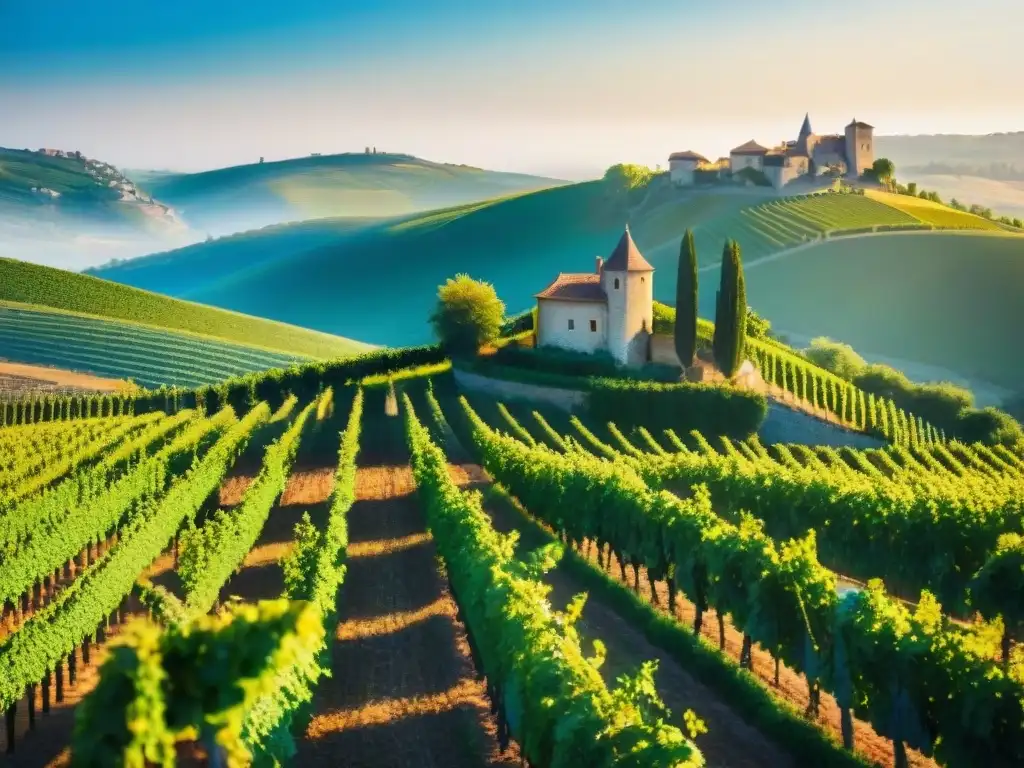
686, 301
731, 312
722, 317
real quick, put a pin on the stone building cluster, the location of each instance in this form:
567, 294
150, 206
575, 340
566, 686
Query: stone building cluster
847, 154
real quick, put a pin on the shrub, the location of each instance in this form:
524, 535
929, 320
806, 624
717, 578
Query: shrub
710, 409
940, 403
883, 381
757, 326
840, 359
569, 363
564, 362
990, 426
468, 315
524, 321
664, 319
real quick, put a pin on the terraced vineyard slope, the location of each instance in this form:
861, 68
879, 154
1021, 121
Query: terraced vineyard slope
67, 320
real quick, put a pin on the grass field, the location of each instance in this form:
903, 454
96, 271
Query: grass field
148, 356
948, 300
941, 216
185, 269
56, 289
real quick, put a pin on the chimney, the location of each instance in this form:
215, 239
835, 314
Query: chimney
600, 264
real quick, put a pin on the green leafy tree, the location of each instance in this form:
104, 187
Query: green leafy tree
686, 301
884, 170
731, 312
468, 315
628, 176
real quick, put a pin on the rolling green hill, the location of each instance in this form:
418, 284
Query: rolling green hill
766, 226
183, 270
116, 349
80, 322
353, 185
946, 300
377, 281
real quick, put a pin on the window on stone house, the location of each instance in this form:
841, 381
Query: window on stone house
616, 283
572, 324
593, 326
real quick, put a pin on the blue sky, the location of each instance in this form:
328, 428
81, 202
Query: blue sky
557, 87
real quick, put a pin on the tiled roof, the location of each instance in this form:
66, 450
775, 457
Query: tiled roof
687, 155
750, 148
627, 257
859, 124
575, 286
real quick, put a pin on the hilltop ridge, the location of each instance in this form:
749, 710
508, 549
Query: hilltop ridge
377, 184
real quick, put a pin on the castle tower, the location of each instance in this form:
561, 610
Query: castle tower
860, 148
628, 282
805, 134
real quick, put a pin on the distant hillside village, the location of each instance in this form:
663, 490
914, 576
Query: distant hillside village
103, 173
810, 155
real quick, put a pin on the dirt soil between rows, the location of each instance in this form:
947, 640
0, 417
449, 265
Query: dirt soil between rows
730, 740
678, 691
403, 690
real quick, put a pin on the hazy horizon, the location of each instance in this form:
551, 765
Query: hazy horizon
556, 89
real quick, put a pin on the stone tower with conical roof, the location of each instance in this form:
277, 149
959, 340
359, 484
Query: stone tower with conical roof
628, 282
806, 140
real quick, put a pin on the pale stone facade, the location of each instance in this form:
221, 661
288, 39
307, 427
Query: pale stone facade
578, 325
681, 166
610, 309
850, 153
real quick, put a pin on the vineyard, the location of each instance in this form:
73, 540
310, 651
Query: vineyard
779, 224
59, 291
149, 356
368, 564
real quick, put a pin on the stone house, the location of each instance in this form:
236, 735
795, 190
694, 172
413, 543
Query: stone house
610, 309
681, 166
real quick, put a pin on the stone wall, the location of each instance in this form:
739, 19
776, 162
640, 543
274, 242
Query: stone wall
663, 349
566, 399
